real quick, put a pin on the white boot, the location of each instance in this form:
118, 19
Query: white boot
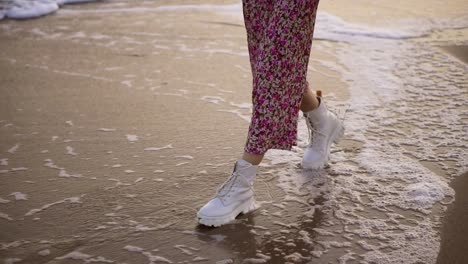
324, 128
233, 197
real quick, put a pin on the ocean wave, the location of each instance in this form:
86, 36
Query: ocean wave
25, 9
328, 26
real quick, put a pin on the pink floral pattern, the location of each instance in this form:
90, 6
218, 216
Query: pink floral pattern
279, 35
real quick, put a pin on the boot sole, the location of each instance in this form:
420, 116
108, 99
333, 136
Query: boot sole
244, 208
337, 134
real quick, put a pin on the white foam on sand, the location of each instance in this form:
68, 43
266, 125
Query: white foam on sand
6, 216
71, 151
132, 138
151, 258
76, 199
24, 9
44, 252
4, 162
392, 81
13, 149
334, 28
328, 26
232, 9
398, 92
19, 196
185, 157
19, 169
65, 174
86, 258
159, 148
50, 163
213, 99
384, 171
104, 129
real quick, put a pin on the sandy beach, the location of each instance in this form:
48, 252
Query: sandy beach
119, 119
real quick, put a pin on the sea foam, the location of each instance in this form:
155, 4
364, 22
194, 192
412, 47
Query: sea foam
24, 9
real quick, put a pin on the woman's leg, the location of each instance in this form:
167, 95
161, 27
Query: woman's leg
236, 194
257, 14
279, 55
279, 35
309, 101
252, 158
259, 17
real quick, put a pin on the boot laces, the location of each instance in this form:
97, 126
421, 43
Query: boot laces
228, 186
314, 133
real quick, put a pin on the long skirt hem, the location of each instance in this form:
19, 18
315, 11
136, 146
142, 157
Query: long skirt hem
279, 36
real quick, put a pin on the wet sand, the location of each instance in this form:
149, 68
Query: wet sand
461, 52
72, 105
454, 235
114, 131
454, 246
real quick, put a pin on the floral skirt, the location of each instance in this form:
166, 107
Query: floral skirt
279, 36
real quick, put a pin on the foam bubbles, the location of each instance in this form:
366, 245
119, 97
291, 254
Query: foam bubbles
13, 149
151, 258
132, 138
104, 129
24, 9
19, 196
71, 151
405, 116
425, 194
213, 99
169, 146
75, 199
5, 216
334, 28
44, 252
78, 255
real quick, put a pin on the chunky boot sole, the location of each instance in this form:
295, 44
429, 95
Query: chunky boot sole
336, 135
244, 208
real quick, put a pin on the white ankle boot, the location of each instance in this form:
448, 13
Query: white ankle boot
324, 128
233, 197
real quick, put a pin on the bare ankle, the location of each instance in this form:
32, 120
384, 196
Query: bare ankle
252, 158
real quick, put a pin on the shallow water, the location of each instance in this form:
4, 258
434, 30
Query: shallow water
119, 121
